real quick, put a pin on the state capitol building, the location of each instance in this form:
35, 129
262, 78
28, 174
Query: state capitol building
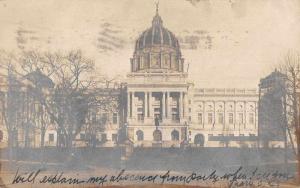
162, 108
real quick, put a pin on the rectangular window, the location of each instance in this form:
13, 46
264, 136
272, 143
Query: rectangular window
166, 61
82, 136
190, 119
140, 62
230, 118
175, 117
51, 137
140, 117
209, 118
251, 118
115, 118
220, 118
241, 118
114, 137
174, 65
104, 118
103, 138
200, 118
190, 110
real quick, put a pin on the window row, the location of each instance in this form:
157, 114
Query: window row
155, 61
220, 119
211, 107
103, 118
157, 135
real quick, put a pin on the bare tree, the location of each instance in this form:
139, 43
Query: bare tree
10, 100
67, 102
61, 86
291, 69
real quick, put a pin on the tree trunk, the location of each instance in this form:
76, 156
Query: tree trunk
57, 139
26, 137
10, 146
298, 153
69, 142
285, 130
43, 131
43, 138
296, 121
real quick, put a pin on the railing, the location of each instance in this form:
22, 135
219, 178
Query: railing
223, 91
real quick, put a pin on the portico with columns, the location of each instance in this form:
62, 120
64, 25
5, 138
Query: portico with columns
145, 105
163, 101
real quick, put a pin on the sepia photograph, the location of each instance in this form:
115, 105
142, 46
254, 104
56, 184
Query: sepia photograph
149, 93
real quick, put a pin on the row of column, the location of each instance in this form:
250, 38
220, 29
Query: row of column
165, 104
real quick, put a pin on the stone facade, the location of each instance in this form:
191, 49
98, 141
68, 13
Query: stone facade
224, 117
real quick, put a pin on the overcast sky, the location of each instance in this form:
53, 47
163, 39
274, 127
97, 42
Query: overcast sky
228, 43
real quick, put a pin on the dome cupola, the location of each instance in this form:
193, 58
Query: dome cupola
157, 49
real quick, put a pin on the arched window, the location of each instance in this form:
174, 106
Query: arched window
199, 140
175, 135
140, 135
157, 135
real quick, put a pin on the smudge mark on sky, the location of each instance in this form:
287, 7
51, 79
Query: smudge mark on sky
110, 38
28, 38
24, 36
195, 40
202, 39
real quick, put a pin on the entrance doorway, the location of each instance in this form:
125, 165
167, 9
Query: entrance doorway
199, 140
157, 135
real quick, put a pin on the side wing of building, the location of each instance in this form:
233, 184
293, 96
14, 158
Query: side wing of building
223, 117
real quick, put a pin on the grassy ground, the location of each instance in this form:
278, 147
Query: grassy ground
94, 162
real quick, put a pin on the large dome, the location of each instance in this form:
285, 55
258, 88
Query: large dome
157, 50
156, 35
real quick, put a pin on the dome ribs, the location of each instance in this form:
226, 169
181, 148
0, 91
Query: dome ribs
157, 48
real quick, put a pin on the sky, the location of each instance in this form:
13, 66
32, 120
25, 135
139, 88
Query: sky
227, 43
